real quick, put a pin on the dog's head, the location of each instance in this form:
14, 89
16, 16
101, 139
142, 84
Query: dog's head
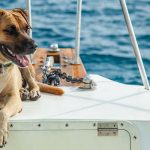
15, 42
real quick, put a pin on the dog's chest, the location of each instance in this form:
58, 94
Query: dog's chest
3, 81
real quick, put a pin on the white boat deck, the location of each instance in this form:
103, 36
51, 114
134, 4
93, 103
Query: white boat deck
109, 101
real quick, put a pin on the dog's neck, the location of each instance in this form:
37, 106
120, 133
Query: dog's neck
4, 64
4, 67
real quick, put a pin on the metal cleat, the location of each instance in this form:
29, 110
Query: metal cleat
69, 61
49, 62
54, 48
87, 83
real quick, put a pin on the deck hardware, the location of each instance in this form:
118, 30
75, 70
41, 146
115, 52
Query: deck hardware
68, 61
107, 129
54, 48
11, 125
87, 83
122, 124
67, 125
53, 78
39, 125
94, 124
48, 64
56, 75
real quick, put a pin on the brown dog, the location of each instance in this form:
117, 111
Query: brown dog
15, 44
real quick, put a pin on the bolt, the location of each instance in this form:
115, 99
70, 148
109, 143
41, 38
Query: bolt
94, 124
39, 125
11, 125
122, 124
67, 125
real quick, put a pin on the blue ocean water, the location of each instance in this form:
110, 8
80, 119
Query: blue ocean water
105, 45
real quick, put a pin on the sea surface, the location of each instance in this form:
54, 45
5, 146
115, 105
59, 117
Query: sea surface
105, 45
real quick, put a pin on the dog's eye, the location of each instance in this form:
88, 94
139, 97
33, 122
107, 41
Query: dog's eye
11, 30
27, 29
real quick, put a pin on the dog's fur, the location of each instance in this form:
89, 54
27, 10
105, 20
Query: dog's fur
11, 80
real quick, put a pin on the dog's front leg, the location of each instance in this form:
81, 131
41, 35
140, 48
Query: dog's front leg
28, 75
12, 107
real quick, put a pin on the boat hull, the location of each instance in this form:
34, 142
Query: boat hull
73, 135
84, 119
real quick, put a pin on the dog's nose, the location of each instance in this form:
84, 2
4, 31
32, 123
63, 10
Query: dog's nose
31, 45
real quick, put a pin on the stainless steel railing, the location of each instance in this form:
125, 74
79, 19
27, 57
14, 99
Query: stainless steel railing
28, 6
134, 44
78, 32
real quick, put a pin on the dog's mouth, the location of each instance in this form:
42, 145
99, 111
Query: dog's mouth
20, 60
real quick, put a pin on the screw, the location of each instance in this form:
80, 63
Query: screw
122, 124
11, 125
67, 125
94, 124
135, 137
39, 125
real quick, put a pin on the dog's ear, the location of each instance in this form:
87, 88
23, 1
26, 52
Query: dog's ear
22, 12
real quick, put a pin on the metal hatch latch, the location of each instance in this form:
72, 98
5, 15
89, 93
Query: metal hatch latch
107, 129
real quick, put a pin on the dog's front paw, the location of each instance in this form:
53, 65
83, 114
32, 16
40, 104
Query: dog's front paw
24, 93
34, 94
3, 128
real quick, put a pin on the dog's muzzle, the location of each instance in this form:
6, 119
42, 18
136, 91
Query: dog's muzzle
20, 60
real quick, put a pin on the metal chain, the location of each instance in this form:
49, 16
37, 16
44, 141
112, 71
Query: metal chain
53, 78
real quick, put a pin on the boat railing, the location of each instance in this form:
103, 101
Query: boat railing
134, 44
78, 32
130, 30
28, 6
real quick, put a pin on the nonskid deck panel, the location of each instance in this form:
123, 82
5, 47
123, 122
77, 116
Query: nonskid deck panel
109, 101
